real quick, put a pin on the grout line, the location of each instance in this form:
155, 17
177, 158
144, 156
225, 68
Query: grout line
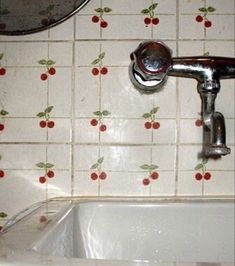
73, 109
178, 102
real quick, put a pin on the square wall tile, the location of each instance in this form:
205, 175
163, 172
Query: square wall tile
117, 95
221, 183
87, 92
187, 185
124, 183
17, 88
164, 185
222, 27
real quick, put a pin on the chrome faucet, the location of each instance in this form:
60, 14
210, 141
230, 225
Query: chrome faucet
152, 63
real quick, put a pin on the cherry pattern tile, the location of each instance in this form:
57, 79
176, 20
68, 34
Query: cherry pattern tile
72, 123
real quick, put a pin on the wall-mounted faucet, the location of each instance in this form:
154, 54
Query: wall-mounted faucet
152, 62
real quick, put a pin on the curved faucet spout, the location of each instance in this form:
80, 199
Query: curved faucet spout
152, 63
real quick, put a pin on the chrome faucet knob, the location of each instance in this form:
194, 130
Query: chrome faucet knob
150, 63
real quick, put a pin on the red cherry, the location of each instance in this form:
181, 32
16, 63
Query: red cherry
2, 173
44, 76
50, 124
147, 21
94, 176
154, 175
52, 20
148, 125
102, 175
95, 19
103, 128
94, 122
2, 26
2, 71
45, 22
103, 24
52, 71
146, 181
2, 127
50, 174
155, 21
198, 176
95, 71
156, 125
104, 70
207, 23
42, 179
43, 219
198, 123
199, 18
43, 124
207, 176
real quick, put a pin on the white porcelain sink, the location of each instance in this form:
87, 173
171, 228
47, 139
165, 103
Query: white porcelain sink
126, 231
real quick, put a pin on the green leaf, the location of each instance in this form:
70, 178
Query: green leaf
97, 113
152, 167
94, 166
3, 113
211, 9
101, 56
43, 13
205, 161
206, 54
99, 10
41, 114
153, 6
41, 165
49, 165
202, 9
145, 11
144, 166
198, 167
42, 62
3, 215
50, 62
154, 110
96, 61
146, 115
48, 109
100, 160
106, 112
1, 56
107, 9
50, 7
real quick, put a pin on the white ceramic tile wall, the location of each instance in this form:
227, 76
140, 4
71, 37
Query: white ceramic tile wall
72, 148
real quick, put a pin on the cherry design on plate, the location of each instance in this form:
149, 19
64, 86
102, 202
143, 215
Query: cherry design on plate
150, 17
203, 16
48, 15
99, 18
2, 69
46, 122
97, 172
47, 172
202, 173
98, 121
3, 114
151, 119
152, 174
98, 67
50, 68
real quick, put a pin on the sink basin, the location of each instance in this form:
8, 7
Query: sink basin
122, 231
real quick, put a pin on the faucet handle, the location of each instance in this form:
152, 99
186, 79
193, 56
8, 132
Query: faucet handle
150, 63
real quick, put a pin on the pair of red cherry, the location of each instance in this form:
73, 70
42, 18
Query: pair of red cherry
51, 71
